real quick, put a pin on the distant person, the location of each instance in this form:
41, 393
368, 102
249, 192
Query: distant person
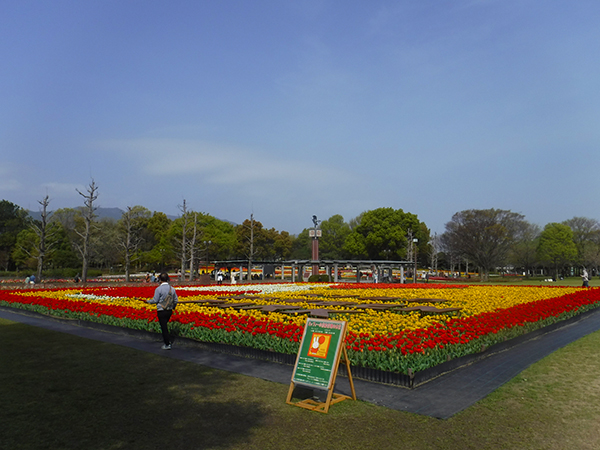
77, 278
219, 277
165, 298
232, 278
32, 279
585, 278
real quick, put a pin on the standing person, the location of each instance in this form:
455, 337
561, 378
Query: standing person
165, 298
585, 278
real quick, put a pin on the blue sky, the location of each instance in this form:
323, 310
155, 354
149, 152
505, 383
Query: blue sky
287, 109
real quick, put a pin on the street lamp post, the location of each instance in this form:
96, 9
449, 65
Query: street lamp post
316, 234
415, 241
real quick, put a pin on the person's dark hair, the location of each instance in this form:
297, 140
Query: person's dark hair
164, 277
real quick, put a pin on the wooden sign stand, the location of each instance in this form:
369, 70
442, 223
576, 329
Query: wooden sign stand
332, 398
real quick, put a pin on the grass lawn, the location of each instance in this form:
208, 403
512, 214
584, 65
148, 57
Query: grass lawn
522, 281
64, 392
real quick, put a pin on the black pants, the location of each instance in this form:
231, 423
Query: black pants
163, 320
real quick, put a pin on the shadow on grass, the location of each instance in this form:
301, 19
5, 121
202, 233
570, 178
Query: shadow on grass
61, 391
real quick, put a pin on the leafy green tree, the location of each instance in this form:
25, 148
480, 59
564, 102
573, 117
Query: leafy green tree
424, 245
556, 246
355, 246
104, 244
282, 245
130, 237
221, 234
62, 254
334, 234
59, 250
13, 219
162, 256
158, 249
250, 240
301, 246
25, 250
266, 244
271, 245
382, 234
484, 236
158, 225
68, 219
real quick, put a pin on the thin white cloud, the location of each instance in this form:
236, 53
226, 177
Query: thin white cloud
8, 180
9, 185
222, 164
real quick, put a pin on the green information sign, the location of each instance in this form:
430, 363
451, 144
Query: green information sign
319, 353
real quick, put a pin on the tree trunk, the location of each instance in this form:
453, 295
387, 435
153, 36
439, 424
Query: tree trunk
183, 209
88, 217
41, 231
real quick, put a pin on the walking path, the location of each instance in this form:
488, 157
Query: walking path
442, 397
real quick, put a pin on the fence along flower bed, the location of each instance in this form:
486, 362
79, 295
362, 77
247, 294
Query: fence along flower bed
387, 341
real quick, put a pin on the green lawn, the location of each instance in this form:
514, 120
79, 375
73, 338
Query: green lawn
521, 281
63, 392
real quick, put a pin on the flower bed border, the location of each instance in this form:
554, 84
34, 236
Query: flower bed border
412, 380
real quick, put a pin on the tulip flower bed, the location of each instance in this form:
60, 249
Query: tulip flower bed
392, 339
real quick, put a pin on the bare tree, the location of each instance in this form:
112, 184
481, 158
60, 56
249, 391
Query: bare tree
88, 214
247, 234
184, 224
42, 231
483, 236
188, 239
130, 239
193, 245
583, 235
592, 252
523, 252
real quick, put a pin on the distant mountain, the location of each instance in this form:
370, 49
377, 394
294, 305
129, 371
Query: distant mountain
109, 213
101, 213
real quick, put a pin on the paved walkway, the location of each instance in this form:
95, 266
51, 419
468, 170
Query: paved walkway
442, 397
